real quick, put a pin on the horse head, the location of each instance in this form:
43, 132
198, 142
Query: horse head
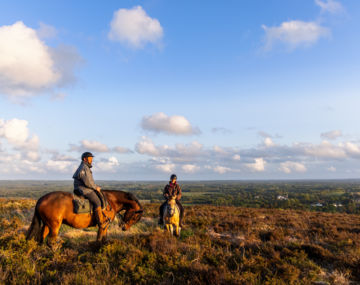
130, 218
171, 204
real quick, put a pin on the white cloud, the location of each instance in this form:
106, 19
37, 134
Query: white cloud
289, 166
59, 166
190, 168
25, 61
32, 155
167, 168
162, 123
221, 169
294, 34
108, 165
330, 6
146, 146
28, 66
268, 142
258, 165
179, 153
351, 148
120, 149
332, 135
325, 150
94, 146
62, 157
219, 149
16, 132
236, 157
135, 28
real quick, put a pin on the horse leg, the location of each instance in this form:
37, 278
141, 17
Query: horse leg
178, 229
169, 228
53, 243
44, 232
101, 235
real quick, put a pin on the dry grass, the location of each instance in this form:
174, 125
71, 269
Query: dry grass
220, 245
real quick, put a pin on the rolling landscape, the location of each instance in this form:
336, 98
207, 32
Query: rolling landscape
252, 107
221, 243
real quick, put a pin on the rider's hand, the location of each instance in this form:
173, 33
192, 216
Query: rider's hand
98, 188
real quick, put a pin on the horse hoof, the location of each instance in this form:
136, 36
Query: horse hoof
54, 246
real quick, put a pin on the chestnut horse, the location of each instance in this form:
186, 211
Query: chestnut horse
56, 208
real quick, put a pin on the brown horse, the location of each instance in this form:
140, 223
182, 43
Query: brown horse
56, 208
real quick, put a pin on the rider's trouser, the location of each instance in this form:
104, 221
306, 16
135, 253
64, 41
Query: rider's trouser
94, 199
162, 208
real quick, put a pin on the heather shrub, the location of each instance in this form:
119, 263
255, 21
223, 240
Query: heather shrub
220, 245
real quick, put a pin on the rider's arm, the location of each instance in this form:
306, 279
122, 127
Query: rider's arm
178, 196
87, 178
166, 193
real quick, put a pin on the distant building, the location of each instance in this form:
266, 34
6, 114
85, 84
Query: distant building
317, 205
280, 197
337, 205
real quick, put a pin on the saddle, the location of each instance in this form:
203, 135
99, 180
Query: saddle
83, 205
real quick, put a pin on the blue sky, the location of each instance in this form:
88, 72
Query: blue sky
205, 89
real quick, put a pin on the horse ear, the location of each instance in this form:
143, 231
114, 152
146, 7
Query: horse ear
139, 211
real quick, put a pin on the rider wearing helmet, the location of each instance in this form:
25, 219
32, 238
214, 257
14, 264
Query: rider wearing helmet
172, 189
84, 185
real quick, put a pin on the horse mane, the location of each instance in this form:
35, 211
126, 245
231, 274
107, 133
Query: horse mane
128, 195
132, 197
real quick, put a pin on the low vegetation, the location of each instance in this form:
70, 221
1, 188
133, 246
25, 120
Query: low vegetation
220, 245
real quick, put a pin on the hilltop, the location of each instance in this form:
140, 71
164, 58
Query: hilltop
220, 245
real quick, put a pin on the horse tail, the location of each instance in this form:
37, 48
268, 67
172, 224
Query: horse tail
35, 227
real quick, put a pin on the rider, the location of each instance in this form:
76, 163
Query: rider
84, 185
172, 189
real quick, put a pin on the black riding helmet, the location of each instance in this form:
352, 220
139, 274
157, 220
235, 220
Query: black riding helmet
86, 154
173, 176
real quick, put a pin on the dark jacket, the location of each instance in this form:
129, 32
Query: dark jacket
172, 190
83, 179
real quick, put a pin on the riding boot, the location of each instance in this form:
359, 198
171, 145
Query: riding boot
161, 214
100, 219
181, 219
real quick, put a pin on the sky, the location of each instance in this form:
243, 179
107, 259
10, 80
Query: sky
208, 90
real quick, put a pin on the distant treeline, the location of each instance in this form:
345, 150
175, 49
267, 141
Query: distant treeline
326, 196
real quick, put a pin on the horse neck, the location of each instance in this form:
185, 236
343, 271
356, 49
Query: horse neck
120, 200
172, 202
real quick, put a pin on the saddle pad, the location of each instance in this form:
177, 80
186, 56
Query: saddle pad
82, 205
